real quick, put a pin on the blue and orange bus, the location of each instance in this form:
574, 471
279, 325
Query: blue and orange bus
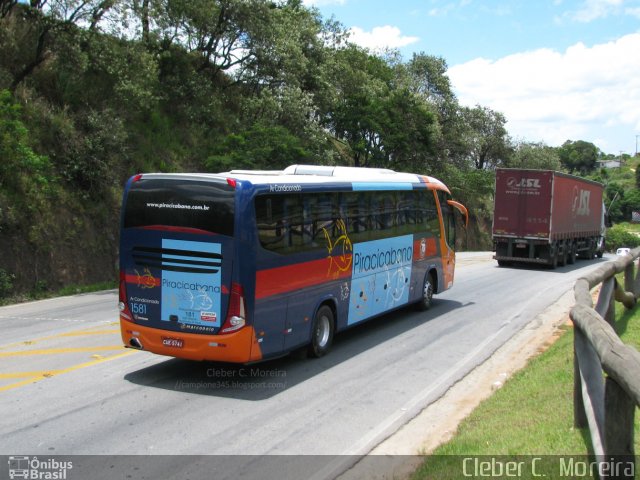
248, 265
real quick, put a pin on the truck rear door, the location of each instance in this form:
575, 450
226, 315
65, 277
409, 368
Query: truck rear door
523, 203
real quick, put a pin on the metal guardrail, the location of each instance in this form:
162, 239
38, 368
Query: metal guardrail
606, 404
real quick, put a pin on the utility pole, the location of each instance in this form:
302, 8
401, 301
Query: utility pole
637, 145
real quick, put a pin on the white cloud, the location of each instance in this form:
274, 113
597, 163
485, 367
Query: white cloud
594, 9
553, 96
322, 3
634, 12
448, 7
380, 37
441, 11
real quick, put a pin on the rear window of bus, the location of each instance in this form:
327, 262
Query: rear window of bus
201, 205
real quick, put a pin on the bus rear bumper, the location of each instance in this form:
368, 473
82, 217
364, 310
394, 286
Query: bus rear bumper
237, 347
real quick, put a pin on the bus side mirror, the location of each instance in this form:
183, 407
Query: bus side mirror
462, 209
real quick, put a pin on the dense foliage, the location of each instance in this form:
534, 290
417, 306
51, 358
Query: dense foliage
94, 91
620, 236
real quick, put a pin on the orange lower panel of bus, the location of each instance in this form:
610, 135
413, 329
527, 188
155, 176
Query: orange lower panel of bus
237, 347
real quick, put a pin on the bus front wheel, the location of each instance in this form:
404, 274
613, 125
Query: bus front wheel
322, 333
427, 293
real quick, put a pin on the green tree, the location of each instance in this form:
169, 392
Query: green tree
261, 147
618, 236
408, 132
19, 162
486, 137
426, 76
42, 29
535, 156
356, 115
27, 182
289, 49
6, 6
613, 198
630, 203
579, 156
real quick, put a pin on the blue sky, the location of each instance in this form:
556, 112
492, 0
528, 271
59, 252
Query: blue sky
558, 69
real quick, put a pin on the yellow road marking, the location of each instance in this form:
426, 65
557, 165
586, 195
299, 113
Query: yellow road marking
19, 384
37, 376
86, 331
50, 351
23, 374
27, 378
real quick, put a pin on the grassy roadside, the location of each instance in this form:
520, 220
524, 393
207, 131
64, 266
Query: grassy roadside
531, 415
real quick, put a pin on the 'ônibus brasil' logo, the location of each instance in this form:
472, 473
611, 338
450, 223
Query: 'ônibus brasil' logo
33, 468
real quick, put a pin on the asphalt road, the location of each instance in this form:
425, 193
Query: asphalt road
67, 387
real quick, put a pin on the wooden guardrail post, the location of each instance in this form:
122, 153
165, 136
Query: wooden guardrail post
579, 415
628, 278
619, 417
608, 406
606, 306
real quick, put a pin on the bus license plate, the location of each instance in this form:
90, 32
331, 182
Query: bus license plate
172, 342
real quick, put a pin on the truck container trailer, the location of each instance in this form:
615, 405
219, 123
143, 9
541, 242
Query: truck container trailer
546, 217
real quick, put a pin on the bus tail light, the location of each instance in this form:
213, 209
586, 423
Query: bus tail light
236, 314
122, 304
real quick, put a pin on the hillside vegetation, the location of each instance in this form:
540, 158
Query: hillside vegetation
94, 91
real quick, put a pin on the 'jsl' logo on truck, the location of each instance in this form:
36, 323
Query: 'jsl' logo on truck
581, 202
513, 182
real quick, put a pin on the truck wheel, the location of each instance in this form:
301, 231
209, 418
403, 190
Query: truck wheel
562, 259
551, 255
322, 332
572, 255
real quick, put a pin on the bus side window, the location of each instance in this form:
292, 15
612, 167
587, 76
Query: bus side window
355, 206
383, 216
430, 213
270, 229
423, 213
320, 215
279, 220
405, 211
448, 219
291, 223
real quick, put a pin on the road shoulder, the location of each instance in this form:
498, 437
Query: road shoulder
437, 423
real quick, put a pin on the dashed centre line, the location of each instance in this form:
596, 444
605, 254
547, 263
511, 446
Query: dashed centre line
53, 351
33, 377
43, 319
76, 333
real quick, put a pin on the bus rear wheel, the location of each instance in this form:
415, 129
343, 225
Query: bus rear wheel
322, 332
